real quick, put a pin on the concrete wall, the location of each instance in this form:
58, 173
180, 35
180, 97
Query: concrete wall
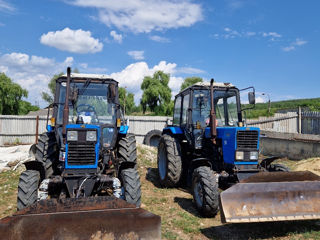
291, 145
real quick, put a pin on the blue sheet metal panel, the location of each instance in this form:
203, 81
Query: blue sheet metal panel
228, 138
174, 130
124, 130
84, 126
228, 135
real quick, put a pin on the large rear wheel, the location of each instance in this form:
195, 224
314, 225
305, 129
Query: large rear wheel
130, 186
28, 188
205, 191
47, 153
169, 161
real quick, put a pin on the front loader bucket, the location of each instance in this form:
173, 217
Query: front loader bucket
82, 218
272, 196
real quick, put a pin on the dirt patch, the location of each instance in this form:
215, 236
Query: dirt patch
180, 219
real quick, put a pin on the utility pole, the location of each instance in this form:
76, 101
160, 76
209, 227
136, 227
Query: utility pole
269, 102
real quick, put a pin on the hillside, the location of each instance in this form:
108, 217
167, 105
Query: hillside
261, 109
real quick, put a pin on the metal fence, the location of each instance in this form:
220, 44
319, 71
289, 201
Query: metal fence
22, 129
290, 122
310, 122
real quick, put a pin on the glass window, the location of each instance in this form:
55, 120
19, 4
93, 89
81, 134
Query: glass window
232, 110
185, 108
201, 107
226, 108
92, 104
177, 111
220, 112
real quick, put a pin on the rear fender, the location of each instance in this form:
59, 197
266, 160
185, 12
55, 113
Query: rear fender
37, 166
125, 165
172, 131
195, 163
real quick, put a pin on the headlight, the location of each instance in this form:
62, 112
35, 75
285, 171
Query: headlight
72, 136
91, 136
254, 155
239, 155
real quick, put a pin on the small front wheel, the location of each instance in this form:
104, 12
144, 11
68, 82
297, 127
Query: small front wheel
28, 188
205, 191
130, 186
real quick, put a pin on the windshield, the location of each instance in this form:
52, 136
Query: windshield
225, 103
91, 103
226, 107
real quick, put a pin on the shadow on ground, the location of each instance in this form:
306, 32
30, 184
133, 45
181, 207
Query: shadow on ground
187, 205
263, 230
153, 177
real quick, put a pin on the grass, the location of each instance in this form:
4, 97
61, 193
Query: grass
180, 219
8, 188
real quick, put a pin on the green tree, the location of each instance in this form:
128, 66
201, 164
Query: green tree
48, 97
126, 100
10, 95
156, 93
189, 81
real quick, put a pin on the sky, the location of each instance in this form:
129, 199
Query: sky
269, 44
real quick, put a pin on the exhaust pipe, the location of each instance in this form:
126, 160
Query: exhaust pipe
213, 126
66, 105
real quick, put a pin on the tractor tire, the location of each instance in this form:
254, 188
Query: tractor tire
205, 191
169, 161
277, 167
152, 138
28, 188
127, 149
131, 186
47, 153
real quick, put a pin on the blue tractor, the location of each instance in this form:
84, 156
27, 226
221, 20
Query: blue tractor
87, 150
209, 148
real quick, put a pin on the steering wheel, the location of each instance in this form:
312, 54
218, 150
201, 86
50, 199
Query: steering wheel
89, 108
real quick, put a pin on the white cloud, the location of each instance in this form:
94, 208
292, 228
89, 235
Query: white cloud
84, 68
136, 55
6, 7
260, 100
76, 41
145, 15
116, 37
235, 4
250, 34
271, 34
299, 42
190, 70
132, 77
288, 49
32, 72
159, 39
293, 45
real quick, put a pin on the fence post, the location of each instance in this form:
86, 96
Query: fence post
299, 120
37, 128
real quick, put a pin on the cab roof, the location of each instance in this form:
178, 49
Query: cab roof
89, 76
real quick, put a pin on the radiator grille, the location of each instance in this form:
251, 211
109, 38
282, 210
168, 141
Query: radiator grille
81, 154
247, 139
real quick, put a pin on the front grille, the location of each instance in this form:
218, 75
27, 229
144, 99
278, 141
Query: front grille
247, 139
81, 154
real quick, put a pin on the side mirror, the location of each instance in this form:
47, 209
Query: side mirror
252, 98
